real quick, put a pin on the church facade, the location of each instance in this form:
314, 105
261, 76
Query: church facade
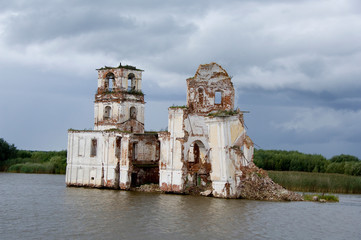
204, 148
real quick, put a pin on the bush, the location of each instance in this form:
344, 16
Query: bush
23, 154
336, 167
295, 161
289, 161
36, 162
344, 158
59, 164
7, 151
31, 168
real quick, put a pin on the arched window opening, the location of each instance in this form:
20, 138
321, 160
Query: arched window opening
131, 83
218, 97
118, 146
93, 147
110, 81
133, 113
196, 153
107, 112
200, 96
135, 151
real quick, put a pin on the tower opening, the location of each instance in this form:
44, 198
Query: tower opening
110, 82
133, 113
107, 112
131, 83
218, 97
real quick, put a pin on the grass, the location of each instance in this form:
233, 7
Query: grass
36, 162
223, 113
183, 106
317, 182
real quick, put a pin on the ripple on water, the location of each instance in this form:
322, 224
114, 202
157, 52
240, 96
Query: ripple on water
41, 207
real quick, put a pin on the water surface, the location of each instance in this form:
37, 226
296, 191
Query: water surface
34, 206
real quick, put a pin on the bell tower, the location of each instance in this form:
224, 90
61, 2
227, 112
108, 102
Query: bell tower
119, 100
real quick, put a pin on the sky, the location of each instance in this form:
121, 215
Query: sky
295, 65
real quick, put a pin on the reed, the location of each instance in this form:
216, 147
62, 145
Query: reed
317, 182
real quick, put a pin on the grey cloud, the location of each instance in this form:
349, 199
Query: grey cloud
44, 25
284, 56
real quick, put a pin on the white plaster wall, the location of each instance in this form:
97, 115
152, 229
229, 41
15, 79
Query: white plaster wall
197, 129
81, 167
120, 112
171, 150
223, 169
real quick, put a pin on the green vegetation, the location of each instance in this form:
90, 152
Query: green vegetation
184, 106
223, 113
6, 150
151, 132
317, 182
120, 66
13, 160
295, 161
320, 197
135, 92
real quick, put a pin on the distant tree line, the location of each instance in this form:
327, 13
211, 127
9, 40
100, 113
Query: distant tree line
14, 160
279, 160
21, 161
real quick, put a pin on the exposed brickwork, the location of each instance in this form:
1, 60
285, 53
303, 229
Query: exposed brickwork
202, 88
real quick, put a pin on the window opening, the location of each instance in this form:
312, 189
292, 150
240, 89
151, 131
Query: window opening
118, 144
135, 151
196, 153
93, 149
131, 85
107, 112
133, 113
110, 82
200, 96
218, 97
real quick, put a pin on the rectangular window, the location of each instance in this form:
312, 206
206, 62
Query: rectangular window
81, 147
218, 97
118, 144
135, 151
93, 148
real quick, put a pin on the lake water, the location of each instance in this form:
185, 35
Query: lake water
36, 206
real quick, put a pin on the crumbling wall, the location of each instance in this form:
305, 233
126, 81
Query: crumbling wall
113, 105
104, 166
172, 176
121, 79
203, 87
254, 183
144, 155
227, 140
206, 146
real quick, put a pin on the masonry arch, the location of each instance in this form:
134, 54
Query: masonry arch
133, 113
107, 112
131, 81
197, 152
110, 81
198, 166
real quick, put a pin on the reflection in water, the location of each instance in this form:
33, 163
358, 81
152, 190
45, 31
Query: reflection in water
41, 207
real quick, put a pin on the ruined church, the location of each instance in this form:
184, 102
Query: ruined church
204, 147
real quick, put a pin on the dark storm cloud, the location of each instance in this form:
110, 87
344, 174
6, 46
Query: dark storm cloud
40, 25
295, 64
103, 29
